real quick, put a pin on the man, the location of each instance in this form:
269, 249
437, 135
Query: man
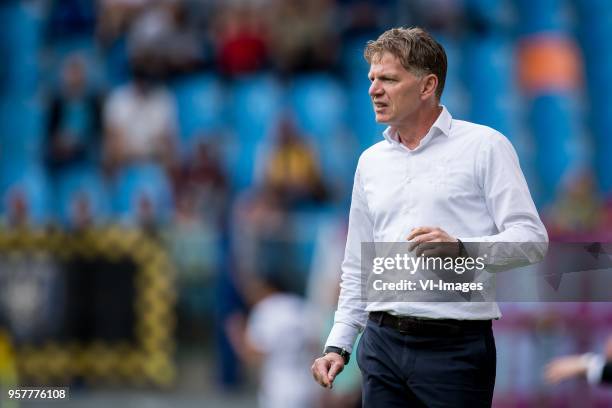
433, 179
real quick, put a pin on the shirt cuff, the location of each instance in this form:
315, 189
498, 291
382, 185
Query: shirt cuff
342, 335
595, 364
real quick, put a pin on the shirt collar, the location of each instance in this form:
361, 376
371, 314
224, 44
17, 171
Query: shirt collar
442, 123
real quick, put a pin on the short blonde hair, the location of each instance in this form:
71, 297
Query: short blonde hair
416, 49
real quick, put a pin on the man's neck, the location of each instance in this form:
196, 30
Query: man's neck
411, 135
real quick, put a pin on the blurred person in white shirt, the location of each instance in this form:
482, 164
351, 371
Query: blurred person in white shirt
140, 119
278, 339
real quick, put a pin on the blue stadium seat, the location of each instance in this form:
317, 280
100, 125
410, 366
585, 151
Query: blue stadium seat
594, 33
140, 182
597, 52
353, 64
493, 13
21, 129
601, 123
23, 26
489, 75
200, 101
539, 16
361, 115
454, 96
305, 226
319, 104
256, 106
593, 11
554, 126
117, 66
5, 48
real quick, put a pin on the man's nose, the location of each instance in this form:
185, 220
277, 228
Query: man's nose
375, 89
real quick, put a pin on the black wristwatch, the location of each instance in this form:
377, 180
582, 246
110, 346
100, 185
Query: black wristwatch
341, 351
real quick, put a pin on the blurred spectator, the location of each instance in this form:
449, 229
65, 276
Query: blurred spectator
202, 201
151, 27
205, 183
114, 21
194, 243
140, 120
362, 18
17, 208
73, 129
195, 250
25, 201
81, 213
277, 338
594, 368
291, 170
194, 238
438, 15
303, 36
146, 216
258, 217
577, 210
162, 32
115, 16
241, 40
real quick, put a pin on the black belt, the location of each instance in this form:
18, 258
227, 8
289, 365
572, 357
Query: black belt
413, 325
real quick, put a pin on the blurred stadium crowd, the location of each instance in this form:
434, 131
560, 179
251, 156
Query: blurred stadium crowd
229, 132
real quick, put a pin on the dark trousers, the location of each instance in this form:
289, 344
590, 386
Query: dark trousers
418, 368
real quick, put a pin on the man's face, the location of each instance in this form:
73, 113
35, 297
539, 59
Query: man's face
395, 92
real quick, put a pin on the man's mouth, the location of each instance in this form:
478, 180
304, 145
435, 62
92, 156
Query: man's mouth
380, 105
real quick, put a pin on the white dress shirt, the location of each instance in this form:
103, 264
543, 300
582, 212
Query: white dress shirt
464, 178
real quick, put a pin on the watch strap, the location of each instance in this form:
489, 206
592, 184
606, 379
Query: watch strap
346, 356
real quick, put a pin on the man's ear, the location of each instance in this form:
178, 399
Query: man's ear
429, 86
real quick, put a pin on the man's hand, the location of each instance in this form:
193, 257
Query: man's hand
564, 368
326, 368
433, 242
